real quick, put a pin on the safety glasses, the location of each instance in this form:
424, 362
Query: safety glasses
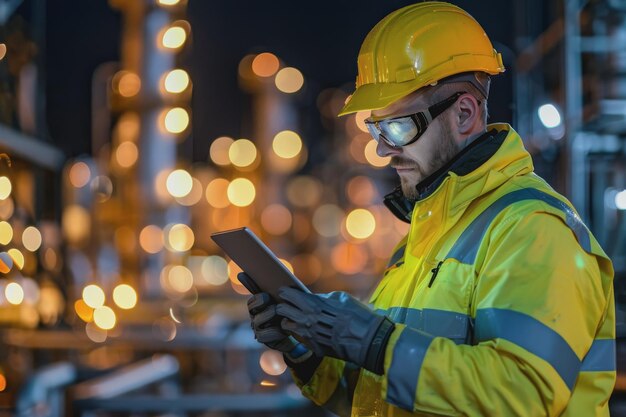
404, 130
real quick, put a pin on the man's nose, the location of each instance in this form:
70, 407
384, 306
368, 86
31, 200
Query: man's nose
383, 149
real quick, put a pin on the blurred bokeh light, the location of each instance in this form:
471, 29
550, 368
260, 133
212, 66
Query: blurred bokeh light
241, 192
265, 64
242, 153
93, 296
176, 81
287, 144
125, 296
219, 150
176, 120
174, 37
289, 80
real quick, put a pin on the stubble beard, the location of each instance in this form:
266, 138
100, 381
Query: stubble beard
445, 150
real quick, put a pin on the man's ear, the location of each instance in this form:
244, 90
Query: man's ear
468, 114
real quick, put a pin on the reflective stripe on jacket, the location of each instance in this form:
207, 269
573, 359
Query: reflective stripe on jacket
503, 301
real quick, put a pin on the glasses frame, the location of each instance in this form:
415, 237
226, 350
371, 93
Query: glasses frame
421, 120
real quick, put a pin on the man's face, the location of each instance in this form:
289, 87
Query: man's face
430, 152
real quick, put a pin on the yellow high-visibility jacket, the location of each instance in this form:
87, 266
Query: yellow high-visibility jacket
503, 303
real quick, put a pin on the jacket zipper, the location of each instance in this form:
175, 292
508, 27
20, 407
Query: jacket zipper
435, 271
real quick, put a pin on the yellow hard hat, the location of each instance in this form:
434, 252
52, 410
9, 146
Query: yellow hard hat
417, 46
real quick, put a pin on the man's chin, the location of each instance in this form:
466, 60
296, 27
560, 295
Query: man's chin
409, 189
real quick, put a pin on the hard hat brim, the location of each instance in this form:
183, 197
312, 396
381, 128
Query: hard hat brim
374, 97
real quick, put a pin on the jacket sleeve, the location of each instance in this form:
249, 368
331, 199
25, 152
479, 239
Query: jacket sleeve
331, 385
537, 304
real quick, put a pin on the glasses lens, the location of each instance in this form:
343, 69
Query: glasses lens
399, 131
373, 129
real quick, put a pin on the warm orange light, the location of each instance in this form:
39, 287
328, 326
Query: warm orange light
289, 80
239, 289
180, 238
31, 238
176, 81
360, 223
233, 270
79, 174
160, 186
14, 293
265, 64
174, 37
276, 219
194, 195
287, 264
287, 144
180, 278
3, 380
3, 50
360, 117
76, 223
242, 153
127, 127
83, 311
241, 192
50, 258
125, 296
151, 238
6, 208
179, 183
5, 187
361, 191
373, 158
272, 363
128, 83
126, 154
17, 257
125, 239
176, 120
219, 150
93, 296
348, 258
104, 318
6, 233
216, 193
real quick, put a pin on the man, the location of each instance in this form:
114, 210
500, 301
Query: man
499, 301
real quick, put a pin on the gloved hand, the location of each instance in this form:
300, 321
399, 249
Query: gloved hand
266, 325
336, 325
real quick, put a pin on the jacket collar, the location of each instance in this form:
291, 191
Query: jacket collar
499, 150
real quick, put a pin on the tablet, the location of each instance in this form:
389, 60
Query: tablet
258, 261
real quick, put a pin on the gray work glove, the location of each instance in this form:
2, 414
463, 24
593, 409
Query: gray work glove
336, 325
266, 325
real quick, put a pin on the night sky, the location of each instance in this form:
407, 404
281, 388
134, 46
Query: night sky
320, 38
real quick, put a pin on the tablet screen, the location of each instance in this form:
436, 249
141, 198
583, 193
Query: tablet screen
257, 260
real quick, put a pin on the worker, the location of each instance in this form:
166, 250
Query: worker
499, 301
